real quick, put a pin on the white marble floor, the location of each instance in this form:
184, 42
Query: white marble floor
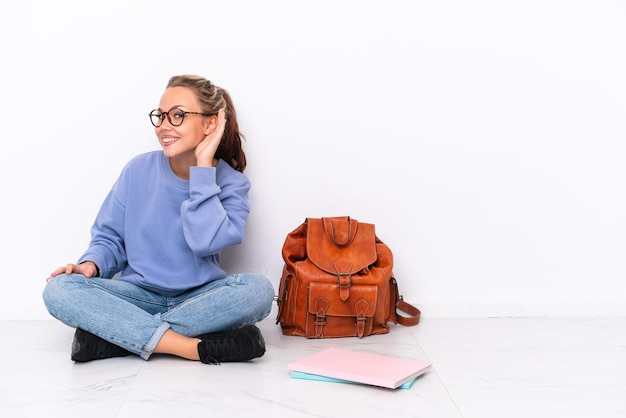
513, 367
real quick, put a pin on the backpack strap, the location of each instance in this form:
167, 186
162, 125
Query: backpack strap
400, 304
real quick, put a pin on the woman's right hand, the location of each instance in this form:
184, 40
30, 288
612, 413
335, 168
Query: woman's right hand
87, 269
205, 151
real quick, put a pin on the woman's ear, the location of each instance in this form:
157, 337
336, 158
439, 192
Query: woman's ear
211, 125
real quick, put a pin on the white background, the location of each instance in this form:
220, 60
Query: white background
484, 139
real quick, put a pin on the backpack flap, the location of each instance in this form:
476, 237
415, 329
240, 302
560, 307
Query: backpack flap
341, 246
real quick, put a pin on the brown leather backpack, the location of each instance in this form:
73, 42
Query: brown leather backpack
337, 281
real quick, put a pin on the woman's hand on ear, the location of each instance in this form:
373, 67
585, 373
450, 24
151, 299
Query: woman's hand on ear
205, 151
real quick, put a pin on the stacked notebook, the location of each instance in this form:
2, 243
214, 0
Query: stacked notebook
348, 366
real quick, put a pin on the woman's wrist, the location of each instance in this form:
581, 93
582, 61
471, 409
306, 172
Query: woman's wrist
95, 265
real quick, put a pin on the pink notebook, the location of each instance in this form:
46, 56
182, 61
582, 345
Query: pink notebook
362, 367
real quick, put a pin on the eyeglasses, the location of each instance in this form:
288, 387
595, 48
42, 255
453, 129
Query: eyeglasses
175, 116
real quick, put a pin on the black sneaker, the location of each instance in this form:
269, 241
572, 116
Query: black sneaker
87, 347
233, 345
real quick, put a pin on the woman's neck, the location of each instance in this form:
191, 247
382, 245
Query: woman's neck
180, 166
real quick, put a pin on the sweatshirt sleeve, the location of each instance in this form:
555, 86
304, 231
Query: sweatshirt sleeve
215, 215
106, 248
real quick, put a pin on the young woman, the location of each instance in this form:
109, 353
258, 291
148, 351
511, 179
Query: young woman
150, 280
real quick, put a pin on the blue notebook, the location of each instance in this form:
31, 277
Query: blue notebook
309, 376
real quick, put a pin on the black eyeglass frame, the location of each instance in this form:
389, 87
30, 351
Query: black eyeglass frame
162, 115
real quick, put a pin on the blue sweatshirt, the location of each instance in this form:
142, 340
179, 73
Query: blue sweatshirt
164, 233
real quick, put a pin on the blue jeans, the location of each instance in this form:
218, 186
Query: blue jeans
136, 319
